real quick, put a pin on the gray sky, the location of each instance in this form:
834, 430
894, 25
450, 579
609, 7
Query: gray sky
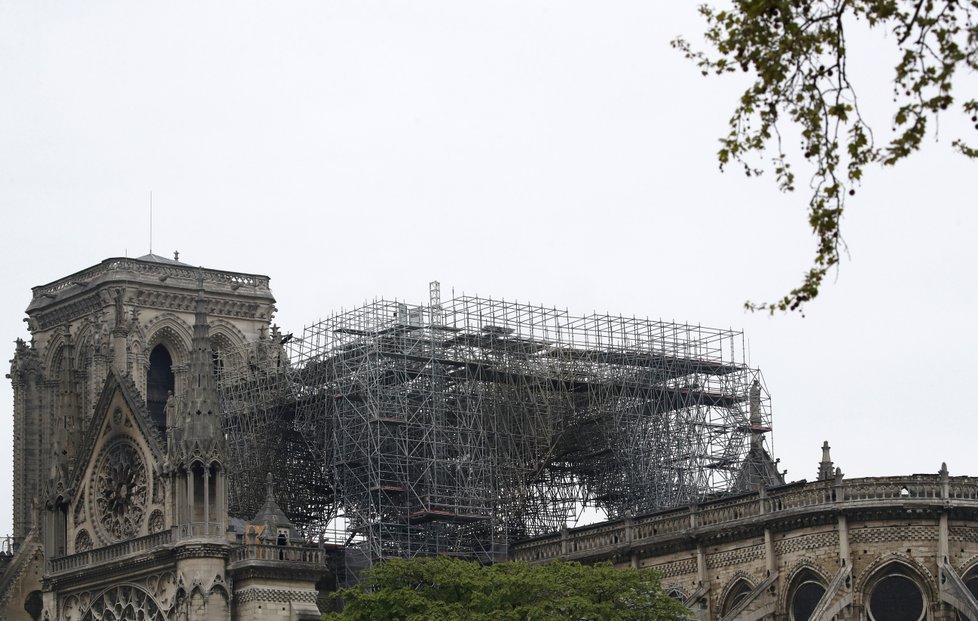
553, 152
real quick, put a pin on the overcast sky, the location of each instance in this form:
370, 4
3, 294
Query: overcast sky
552, 152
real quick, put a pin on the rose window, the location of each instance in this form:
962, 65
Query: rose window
120, 492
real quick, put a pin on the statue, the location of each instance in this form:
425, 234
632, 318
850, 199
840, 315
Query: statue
119, 311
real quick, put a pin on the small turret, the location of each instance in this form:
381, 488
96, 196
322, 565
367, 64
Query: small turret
275, 526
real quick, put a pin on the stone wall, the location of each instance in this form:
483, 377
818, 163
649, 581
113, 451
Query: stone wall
805, 550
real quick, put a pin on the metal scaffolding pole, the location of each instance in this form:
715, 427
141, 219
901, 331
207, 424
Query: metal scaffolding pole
456, 427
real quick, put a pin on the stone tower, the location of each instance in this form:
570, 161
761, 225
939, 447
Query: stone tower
133, 316
121, 470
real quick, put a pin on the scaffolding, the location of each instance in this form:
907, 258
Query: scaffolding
457, 427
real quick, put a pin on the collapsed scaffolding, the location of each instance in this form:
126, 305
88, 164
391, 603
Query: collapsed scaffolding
457, 427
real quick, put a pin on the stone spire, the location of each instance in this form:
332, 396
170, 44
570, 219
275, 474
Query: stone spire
825, 470
754, 401
201, 429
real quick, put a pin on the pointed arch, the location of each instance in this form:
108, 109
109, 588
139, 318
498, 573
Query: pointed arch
53, 354
739, 587
227, 342
927, 580
129, 600
218, 587
173, 332
805, 585
227, 332
675, 591
84, 342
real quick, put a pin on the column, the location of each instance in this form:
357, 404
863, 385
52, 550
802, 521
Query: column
190, 497
222, 507
207, 498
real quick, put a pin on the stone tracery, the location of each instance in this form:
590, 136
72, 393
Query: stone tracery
120, 491
124, 602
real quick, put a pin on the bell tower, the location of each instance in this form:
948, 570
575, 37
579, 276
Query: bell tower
136, 316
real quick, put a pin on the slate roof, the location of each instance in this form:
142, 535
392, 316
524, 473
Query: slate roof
155, 258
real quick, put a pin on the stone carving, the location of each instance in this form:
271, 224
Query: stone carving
120, 313
164, 589
963, 533
78, 514
120, 493
734, 557
804, 543
158, 489
156, 522
886, 534
678, 568
274, 594
122, 603
83, 541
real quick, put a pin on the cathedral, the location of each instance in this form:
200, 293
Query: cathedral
135, 499
120, 487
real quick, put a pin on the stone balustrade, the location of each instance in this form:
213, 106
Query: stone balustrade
767, 505
802, 497
674, 521
287, 554
201, 530
134, 266
721, 511
109, 553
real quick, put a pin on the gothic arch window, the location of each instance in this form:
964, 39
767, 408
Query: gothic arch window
737, 593
895, 595
160, 382
806, 590
54, 355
